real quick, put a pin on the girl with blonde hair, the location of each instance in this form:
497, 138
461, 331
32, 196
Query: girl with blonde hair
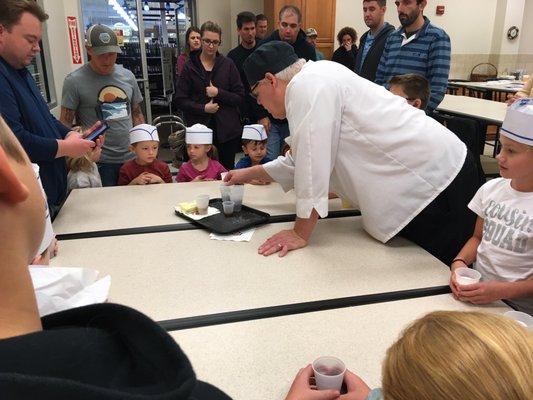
83, 171
446, 355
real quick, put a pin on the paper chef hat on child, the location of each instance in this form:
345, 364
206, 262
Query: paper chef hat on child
142, 133
518, 123
198, 134
48, 235
254, 132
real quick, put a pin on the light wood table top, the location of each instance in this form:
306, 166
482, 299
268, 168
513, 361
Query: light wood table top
185, 274
123, 207
257, 360
485, 110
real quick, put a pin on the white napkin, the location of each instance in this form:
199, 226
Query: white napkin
244, 236
196, 217
58, 288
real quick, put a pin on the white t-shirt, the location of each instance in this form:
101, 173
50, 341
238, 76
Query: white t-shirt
506, 249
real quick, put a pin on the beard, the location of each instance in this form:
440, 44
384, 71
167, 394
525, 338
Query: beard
408, 19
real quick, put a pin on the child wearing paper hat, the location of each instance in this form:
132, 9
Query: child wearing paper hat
502, 246
202, 165
145, 168
254, 140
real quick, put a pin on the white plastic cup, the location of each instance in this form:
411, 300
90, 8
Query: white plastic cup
329, 373
236, 195
202, 202
225, 192
467, 276
522, 318
228, 206
223, 175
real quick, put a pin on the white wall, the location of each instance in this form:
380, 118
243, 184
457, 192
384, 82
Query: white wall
237, 6
469, 23
58, 39
217, 11
514, 15
224, 12
526, 31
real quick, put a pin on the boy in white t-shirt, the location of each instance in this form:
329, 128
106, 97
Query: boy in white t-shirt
502, 245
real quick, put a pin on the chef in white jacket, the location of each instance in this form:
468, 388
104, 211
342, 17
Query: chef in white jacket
407, 173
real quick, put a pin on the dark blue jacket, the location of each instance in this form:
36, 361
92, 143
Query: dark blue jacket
27, 114
367, 68
246, 162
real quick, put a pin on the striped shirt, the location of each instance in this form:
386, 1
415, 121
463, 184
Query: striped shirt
427, 53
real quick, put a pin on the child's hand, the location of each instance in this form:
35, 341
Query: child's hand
199, 178
482, 292
357, 388
155, 178
142, 179
301, 388
453, 282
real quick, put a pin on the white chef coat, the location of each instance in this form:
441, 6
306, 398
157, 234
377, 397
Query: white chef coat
355, 138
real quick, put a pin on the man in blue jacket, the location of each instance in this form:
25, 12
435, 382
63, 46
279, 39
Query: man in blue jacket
44, 138
372, 42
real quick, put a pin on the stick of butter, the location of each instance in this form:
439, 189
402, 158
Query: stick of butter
188, 207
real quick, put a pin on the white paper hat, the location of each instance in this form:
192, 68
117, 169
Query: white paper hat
48, 235
199, 134
254, 132
518, 123
142, 133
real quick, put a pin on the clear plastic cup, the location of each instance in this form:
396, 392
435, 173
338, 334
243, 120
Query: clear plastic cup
236, 195
225, 192
228, 206
202, 202
522, 318
467, 276
223, 175
329, 373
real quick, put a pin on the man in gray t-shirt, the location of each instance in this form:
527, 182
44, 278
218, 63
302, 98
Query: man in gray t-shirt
104, 91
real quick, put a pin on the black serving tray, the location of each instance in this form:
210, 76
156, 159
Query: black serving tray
221, 224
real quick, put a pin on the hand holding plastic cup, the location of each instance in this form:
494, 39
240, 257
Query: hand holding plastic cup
202, 202
466, 276
236, 195
228, 207
225, 192
522, 318
329, 373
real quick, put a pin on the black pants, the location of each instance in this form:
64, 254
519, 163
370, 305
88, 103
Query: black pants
446, 224
227, 151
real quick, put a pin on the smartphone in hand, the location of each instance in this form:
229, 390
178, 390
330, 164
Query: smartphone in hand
97, 132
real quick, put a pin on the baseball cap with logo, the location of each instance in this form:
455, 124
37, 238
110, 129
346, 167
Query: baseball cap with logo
311, 32
102, 40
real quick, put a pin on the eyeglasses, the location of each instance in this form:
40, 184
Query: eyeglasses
286, 25
253, 93
208, 42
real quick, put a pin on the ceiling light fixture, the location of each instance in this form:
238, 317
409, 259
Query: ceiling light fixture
118, 8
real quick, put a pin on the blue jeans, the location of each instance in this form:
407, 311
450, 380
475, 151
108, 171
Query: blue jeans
276, 139
109, 173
